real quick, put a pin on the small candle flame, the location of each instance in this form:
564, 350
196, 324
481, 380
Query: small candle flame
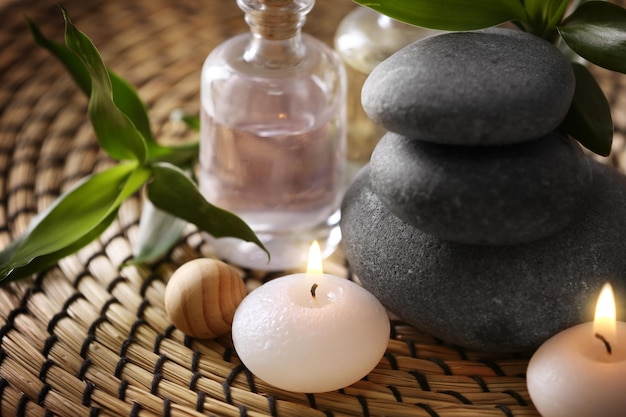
315, 270
315, 260
604, 323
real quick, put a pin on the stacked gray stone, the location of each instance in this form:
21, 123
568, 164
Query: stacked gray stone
477, 219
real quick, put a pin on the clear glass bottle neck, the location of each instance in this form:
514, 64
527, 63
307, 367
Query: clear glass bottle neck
275, 26
274, 53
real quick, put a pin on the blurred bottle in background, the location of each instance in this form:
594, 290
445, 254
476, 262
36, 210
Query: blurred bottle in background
365, 38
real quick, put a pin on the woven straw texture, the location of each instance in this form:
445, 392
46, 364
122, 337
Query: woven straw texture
90, 337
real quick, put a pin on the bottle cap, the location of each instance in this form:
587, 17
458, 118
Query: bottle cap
276, 19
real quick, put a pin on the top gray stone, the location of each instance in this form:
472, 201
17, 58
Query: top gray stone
490, 87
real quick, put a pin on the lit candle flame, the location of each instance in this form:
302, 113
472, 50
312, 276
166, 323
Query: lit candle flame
605, 319
315, 260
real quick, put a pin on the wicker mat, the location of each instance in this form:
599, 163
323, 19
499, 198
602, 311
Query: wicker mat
90, 337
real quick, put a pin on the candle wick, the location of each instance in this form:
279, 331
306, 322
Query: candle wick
313, 288
607, 345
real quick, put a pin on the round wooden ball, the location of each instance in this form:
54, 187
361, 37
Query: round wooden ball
201, 297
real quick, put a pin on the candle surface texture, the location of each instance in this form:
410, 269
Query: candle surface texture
581, 371
310, 332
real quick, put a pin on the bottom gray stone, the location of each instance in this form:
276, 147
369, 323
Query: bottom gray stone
490, 298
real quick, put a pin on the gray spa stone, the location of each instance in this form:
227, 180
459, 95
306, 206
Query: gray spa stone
490, 298
496, 86
495, 195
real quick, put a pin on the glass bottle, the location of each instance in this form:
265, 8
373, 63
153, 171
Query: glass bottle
365, 38
273, 135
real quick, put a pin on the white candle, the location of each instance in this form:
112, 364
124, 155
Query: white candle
310, 332
581, 372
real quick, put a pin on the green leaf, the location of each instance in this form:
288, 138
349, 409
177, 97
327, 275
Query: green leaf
46, 261
74, 215
544, 15
535, 9
182, 155
126, 99
589, 119
556, 12
192, 121
69, 59
450, 14
117, 134
158, 232
172, 191
124, 95
597, 32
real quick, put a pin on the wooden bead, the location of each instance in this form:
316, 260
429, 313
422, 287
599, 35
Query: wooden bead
201, 297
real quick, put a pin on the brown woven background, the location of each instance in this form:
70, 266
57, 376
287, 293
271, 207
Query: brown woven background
91, 338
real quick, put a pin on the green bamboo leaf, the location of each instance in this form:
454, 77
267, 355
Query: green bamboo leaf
125, 97
589, 119
556, 13
182, 155
128, 101
74, 214
9, 250
597, 31
535, 10
544, 15
192, 121
158, 232
69, 59
450, 14
172, 191
43, 262
117, 134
